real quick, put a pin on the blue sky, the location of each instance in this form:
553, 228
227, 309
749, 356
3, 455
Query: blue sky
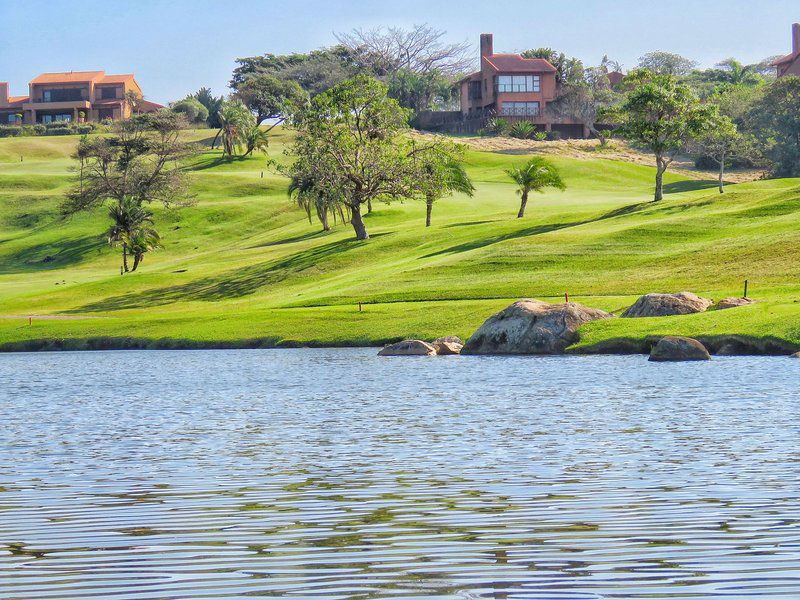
176, 46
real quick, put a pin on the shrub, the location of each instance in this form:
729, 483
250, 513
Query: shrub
497, 126
191, 107
84, 129
540, 136
523, 130
10, 131
553, 136
39, 129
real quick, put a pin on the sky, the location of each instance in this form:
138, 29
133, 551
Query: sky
175, 47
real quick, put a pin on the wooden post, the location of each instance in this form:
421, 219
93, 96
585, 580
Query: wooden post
359, 307
566, 297
30, 321
745, 288
262, 174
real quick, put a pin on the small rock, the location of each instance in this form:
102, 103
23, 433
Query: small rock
448, 345
796, 355
664, 305
674, 348
532, 327
733, 303
408, 348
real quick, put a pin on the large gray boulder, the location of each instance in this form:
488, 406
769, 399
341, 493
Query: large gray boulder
532, 327
733, 303
448, 345
408, 348
675, 349
664, 305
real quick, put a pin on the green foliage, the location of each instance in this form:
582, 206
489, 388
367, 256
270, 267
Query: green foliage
192, 109
132, 230
496, 126
534, 176
542, 136
523, 130
775, 118
663, 116
212, 104
236, 124
268, 97
439, 172
349, 140
666, 63
422, 91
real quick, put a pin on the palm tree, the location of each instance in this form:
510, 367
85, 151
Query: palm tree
131, 226
255, 138
142, 241
318, 199
454, 179
535, 175
736, 73
235, 121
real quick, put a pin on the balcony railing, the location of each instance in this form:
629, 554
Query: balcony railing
519, 111
514, 88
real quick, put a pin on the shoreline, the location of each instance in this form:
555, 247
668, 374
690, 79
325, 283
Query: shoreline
717, 345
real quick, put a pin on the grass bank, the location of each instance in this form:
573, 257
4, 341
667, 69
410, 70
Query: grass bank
243, 267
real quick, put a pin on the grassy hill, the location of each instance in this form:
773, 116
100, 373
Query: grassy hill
244, 266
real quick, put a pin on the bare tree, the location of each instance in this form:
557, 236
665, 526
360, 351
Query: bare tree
420, 49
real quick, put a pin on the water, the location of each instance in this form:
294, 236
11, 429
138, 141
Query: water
333, 473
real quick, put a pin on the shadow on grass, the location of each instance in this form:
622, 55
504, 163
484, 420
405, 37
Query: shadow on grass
467, 224
689, 185
294, 239
47, 257
232, 284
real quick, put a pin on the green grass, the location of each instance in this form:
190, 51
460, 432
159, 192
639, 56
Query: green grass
243, 267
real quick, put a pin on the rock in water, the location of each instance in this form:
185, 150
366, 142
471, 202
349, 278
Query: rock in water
796, 355
448, 345
408, 348
675, 349
664, 305
532, 327
733, 303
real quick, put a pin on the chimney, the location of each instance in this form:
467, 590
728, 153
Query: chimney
487, 45
3, 93
795, 37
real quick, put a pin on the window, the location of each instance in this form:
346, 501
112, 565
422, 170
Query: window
64, 95
12, 118
475, 90
108, 93
54, 118
520, 109
518, 83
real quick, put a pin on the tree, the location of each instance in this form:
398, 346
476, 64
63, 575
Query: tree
662, 115
718, 142
775, 118
666, 63
212, 104
351, 141
420, 50
191, 107
137, 165
132, 229
133, 99
587, 101
421, 91
268, 97
440, 172
255, 138
235, 124
534, 176
315, 72
318, 197
569, 70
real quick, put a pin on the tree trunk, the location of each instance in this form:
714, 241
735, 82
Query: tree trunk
522, 205
660, 168
125, 257
429, 210
369, 207
358, 222
722, 174
137, 258
323, 218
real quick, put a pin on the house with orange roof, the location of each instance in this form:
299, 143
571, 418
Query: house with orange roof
74, 96
517, 89
790, 64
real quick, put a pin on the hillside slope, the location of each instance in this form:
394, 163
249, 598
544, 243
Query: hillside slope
244, 266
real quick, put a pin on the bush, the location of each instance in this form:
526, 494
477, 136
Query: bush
10, 131
39, 129
523, 130
84, 129
191, 107
496, 126
540, 136
553, 136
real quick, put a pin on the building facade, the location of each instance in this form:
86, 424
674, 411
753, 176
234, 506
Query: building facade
515, 88
790, 64
75, 96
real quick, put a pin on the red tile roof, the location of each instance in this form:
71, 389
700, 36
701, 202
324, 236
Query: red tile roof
514, 63
18, 99
70, 77
116, 79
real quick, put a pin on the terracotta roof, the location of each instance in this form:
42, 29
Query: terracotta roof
70, 77
787, 58
116, 79
514, 63
147, 106
475, 75
18, 99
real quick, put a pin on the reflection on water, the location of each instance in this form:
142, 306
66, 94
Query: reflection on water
333, 473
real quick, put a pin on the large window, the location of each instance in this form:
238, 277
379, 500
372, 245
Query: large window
475, 90
518, 83
68, 95
520, 109
108, 93
53, 118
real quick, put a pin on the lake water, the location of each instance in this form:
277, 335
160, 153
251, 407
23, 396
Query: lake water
335, 473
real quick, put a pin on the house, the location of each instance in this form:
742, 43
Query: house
518, 88
790, 64
73, 96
